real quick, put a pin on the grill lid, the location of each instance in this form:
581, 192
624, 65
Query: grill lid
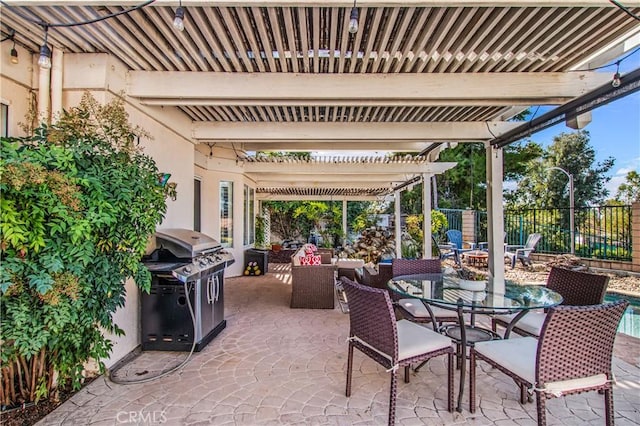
185, 243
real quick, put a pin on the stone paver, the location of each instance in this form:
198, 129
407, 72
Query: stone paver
274, 365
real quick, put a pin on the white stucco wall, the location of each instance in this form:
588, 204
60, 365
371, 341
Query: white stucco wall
212, 172
15, 86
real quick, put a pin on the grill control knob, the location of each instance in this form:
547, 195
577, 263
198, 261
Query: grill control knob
187, 269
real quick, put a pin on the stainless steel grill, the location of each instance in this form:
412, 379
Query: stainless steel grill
186, 300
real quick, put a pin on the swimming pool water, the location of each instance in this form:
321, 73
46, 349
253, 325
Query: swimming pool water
630, 323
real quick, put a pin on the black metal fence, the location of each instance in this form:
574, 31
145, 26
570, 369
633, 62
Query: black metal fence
602, 232
454, 217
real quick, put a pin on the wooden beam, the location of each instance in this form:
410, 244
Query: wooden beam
359, 183
213, 88
340, 171
329, 3
278, 197
374, 102
316, 145
364, 133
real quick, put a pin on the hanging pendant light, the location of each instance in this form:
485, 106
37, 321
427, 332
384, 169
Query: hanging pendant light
14, 54
178, 21
353, 19
616, 77
44, 61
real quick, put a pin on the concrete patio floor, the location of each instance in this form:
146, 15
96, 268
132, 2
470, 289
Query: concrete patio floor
274, 365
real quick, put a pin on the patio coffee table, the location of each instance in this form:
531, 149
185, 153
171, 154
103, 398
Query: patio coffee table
476, 257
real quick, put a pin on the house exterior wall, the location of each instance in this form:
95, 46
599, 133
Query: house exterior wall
16, 82
212, 171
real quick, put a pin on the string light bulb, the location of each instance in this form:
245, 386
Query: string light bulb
178, 21
14, 54
44, 61
616, 77
353, 19
616, 80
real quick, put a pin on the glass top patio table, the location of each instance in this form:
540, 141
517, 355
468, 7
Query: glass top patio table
451, 292
471, 297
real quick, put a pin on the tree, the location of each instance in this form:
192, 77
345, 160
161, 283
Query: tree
284, 222
465, 185
629, 191
573, 153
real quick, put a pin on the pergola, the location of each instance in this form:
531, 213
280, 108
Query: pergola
417, 76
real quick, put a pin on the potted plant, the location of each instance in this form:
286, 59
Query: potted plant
276, 247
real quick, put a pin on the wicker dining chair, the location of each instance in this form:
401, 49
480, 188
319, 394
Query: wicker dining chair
577, 288
414, 309
393, 344
572, 355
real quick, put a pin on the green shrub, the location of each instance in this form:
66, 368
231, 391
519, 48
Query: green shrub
79, 203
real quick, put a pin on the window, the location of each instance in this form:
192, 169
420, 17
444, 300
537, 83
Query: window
226, 213
197, 202
4, 120
249, 216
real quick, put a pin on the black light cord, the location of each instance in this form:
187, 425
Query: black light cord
534, 113
75, 24
610, 64
625, 9
10, 36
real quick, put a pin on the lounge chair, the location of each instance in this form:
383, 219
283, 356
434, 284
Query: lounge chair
522, 253
458, 246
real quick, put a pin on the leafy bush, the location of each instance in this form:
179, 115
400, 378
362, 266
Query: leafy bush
439, 224
79, 203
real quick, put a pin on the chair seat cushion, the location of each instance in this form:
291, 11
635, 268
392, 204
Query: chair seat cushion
414, 339
532, 322
507, 318
417, 309
517, 355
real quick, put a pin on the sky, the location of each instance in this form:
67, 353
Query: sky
614, 130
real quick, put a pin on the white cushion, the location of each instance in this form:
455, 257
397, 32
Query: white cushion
517, 355
532, 322
414, 339
558, 388
350, 263
417, 309
297, 255
505, 317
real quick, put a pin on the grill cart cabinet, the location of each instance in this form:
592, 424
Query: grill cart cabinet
186, 302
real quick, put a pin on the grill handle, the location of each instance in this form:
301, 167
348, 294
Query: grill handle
210, 289
217, 292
